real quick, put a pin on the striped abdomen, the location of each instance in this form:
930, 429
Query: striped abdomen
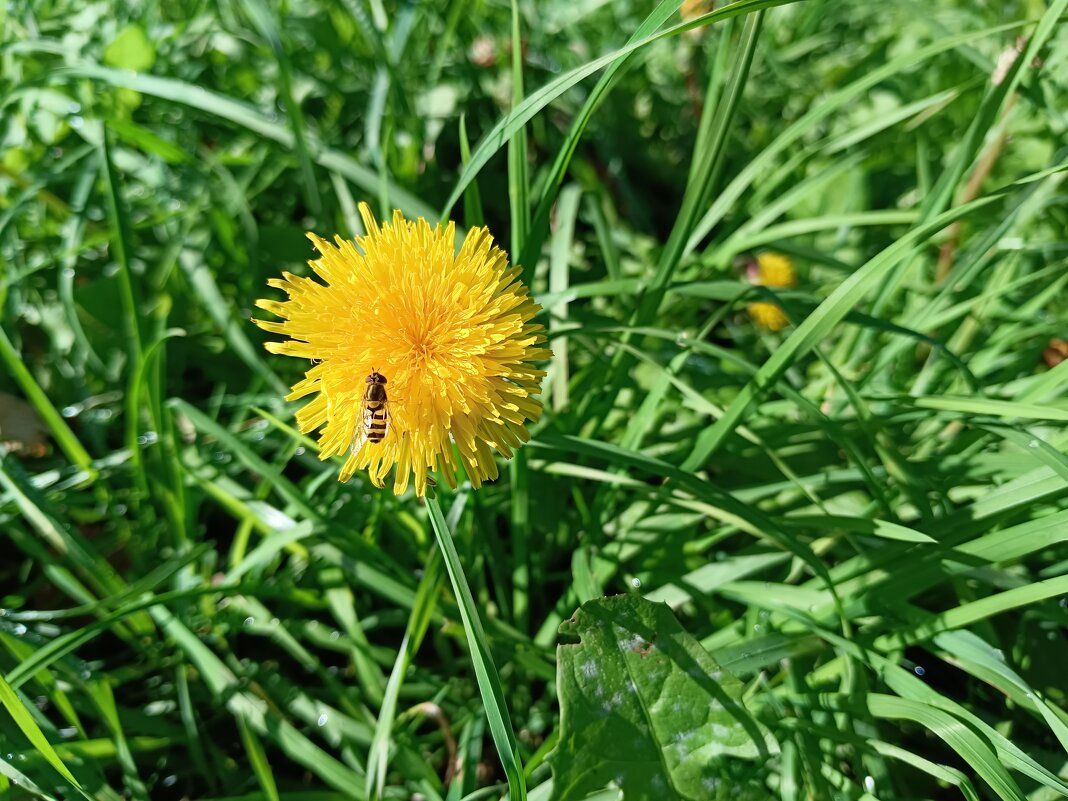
376, 420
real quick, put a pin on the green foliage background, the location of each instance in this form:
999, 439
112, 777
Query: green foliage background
861, 519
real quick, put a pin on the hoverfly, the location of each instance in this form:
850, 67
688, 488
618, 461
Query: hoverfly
375, 412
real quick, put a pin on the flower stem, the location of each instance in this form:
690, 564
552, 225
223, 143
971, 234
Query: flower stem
489, 683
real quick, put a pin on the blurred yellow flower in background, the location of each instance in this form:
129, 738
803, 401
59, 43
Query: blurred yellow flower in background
692, 9
771, 270
450, 331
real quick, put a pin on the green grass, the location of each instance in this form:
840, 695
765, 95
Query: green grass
863, 518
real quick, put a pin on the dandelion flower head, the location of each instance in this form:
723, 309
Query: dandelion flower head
450, 330
776, 270
773, 270
692, 9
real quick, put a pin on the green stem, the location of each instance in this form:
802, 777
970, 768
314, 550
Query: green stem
66, 439
489, 683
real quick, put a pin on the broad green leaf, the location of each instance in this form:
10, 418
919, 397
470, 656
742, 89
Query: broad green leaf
643, 705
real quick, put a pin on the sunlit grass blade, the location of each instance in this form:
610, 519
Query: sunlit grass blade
706, 171
559, 282
223, 684
489, 681
120, 230
504, 130
26, 724
418, 622
940, 772
519, 215
558, 170
829, 313
264, 21
961, 738
518, 179
993, 408
473, 214
261, 766
282, 485
831, 105
247, 117
104, 698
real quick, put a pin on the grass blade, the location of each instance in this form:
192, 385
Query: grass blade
507, 127
28, 726
263, 20
489, 682
418, 622
68, 442
829, 313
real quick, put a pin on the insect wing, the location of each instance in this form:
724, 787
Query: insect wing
359, 436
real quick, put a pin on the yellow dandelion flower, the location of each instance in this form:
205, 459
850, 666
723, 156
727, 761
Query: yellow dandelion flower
774, 270
692, 9
768, 315
449, 330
